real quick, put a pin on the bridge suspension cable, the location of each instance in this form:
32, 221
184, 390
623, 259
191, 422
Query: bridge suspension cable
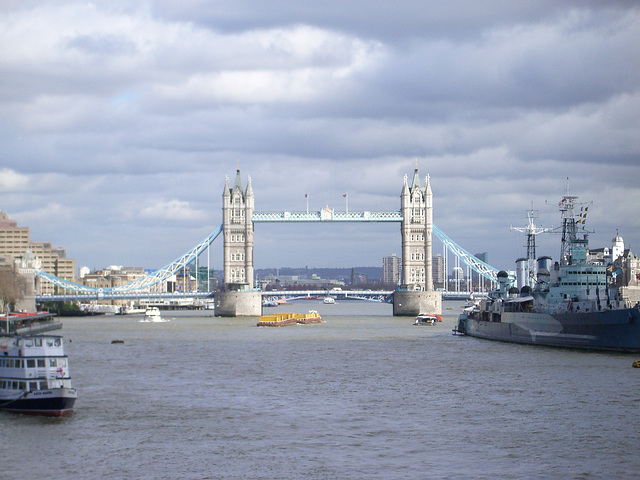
487, 271
142, 282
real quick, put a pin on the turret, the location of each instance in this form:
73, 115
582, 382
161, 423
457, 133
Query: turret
503, 283
428, 236
405, 229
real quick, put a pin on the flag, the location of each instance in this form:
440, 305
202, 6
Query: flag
344, 196
306, 195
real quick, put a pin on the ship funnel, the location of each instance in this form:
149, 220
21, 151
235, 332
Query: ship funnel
544, 263
521, 272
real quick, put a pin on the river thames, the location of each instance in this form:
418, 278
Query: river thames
364, 395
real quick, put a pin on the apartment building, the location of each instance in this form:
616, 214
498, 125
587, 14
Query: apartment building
15, 242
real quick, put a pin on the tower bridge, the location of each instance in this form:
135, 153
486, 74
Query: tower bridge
239, 296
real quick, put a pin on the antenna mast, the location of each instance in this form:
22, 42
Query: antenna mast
531, 231
570, 222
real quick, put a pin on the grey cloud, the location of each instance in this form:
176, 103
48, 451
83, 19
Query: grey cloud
500, 102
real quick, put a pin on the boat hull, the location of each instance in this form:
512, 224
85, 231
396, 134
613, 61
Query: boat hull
613, 330
52, 403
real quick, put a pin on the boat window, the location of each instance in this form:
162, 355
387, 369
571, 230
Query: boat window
49, 342
3, 384
22, 385
57, 342
31, 363
28, 343
41, 363
43, 385
38, 342
17, 364
33, 385
52, 362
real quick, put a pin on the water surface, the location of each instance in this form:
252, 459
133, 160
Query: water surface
363, 395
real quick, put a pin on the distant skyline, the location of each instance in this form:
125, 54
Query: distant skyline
119, 122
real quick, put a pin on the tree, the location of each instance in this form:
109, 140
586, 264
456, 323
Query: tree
12, 288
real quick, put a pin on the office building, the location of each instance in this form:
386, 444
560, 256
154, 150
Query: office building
391, 269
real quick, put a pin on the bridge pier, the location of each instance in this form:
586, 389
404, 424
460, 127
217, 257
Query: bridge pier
411, 303
238, 304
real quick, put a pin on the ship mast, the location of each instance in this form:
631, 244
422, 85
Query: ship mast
570, 223
531, 231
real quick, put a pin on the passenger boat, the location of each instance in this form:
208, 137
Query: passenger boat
152, 314
574, 304
34, 375
329, 300
283, 319
427, 319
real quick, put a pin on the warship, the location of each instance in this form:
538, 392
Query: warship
573, 303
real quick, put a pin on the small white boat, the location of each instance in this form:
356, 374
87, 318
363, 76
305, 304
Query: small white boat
152, 314
329, 300
427, 319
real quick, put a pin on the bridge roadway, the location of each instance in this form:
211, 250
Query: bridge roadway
267, 297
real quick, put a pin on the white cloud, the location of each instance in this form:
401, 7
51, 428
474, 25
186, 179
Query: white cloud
173, 210
12, 181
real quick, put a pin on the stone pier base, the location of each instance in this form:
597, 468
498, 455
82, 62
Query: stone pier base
411, 303
238, 304
27, 304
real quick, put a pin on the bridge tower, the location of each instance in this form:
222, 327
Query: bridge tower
415, 294
238, 297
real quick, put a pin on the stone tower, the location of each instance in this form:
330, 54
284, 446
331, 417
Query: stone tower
417, 230
237, 210
415, 294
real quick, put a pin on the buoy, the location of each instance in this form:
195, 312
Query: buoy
117, 341
636, 364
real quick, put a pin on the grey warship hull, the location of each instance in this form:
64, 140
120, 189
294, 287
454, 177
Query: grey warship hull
612, 330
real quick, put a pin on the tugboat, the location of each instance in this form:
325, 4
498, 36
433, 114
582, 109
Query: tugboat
573, 303
34, 375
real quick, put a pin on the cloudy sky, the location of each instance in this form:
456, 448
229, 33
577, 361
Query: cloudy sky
119, 121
